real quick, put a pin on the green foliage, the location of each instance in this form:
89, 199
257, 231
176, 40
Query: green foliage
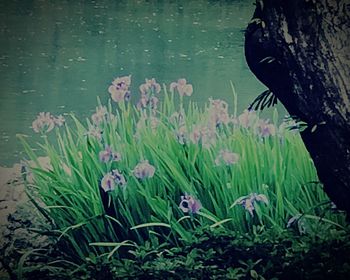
90, 223
223, 254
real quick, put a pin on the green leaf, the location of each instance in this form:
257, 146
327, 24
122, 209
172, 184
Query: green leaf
151, 225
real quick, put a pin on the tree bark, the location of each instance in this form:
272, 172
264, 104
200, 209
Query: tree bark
300, 50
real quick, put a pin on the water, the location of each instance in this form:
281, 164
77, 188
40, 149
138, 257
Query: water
58, 56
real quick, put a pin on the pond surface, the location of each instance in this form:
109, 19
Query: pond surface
57, 56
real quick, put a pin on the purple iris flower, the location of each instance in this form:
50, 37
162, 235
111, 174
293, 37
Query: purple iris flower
150, 86
189, 204
248, 201
108, 155
100, 115
226, 157
119, 178
108, 183
182, 87
45, 122
144, 170
95, 132
119, 89
113, 179
265, 128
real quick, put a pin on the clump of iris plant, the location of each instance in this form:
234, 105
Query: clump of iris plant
189, 204
119, 89
248, 202
108, 155
226, 157
199, 150
113, 179
144, 170
181, 87
45, 122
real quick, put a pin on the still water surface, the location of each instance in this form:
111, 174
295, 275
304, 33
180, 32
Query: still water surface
58, 56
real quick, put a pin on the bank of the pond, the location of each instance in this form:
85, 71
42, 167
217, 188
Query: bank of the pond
18, 221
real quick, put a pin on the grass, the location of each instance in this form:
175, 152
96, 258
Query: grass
90, 223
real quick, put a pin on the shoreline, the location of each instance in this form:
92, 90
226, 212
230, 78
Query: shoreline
17, 218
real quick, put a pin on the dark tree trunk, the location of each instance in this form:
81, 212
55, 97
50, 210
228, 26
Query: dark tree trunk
300, 50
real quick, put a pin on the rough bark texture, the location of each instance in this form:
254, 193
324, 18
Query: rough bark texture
307, 45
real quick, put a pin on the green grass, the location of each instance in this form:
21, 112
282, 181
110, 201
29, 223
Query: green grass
89, 222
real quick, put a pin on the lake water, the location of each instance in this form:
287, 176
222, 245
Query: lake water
57, 56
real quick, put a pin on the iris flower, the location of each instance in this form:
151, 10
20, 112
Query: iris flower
204, 135
148, 98
218, 112
98, 117
113, 179
182, 87
95, 132
247, 118
108, 183
147, 101
150, 86
248, 202
144, 170
59, 120
226, 157
265, 128
45, 122
108, 155
119, 178
178, 118
119, 89
189, 204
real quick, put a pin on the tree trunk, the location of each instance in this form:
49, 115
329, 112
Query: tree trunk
300, 50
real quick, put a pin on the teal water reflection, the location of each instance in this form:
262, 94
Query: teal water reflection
58, 56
